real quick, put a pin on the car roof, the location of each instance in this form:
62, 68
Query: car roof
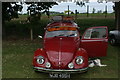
62, 24
60, 21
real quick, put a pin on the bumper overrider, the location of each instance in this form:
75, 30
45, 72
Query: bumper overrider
60, 70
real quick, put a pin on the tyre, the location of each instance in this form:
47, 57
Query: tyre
112, 41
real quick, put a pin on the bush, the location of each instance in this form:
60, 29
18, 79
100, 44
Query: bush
86, 23
22, 30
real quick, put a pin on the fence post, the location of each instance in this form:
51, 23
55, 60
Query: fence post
87, 10
31, 34
75, 14
105, 11
68, 10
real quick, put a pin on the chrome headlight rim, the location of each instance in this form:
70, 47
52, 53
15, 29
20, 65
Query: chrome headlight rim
79, 60
47, 65
71, 65
40, 59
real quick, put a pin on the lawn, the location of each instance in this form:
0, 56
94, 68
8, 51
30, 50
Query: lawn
17, 61
17, 52
18, 30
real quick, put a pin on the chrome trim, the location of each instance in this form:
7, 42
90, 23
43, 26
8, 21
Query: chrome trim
60, 70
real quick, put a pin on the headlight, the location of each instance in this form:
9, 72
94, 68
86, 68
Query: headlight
48, 65
40, 60
70, 65
79, 60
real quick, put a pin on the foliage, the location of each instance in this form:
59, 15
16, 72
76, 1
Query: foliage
93, 10
10, 10
105, 12
86, 23
22, 30
35, 9
72, 12
81, 4
99, 11
67, 11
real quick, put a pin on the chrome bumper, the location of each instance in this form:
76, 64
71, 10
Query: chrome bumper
60, 70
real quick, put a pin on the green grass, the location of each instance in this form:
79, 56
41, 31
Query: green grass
19, 30
89, 22
91, 15
17, 61
17, 55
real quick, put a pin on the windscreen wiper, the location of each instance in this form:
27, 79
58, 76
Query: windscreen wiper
71, 35
59, 35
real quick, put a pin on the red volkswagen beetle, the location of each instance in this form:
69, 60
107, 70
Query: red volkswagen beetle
63, 49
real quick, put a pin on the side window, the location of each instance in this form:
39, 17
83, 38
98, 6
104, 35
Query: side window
98, 33
95, 33
88, 34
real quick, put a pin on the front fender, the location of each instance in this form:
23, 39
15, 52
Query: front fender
81, 52
39, 52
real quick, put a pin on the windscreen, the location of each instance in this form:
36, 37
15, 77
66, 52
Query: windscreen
66, 33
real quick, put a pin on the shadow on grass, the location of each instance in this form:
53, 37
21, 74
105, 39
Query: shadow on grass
17, 62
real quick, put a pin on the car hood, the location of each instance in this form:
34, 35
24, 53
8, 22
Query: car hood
60, 50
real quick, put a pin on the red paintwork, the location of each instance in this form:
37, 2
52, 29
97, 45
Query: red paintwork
39, 52
95, 47
58, 48
81, 52
60, 51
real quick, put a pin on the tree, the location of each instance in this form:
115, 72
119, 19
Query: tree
36, 9
117, 14
93, 10
99, 11
116, 9
80, 3
9, 11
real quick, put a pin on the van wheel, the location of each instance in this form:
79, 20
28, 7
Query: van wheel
112, 41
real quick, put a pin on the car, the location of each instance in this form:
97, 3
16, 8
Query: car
114, 37
64, 51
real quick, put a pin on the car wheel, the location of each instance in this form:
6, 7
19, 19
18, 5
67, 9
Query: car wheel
112, 41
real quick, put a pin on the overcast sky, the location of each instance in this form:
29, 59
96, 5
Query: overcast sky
61, 7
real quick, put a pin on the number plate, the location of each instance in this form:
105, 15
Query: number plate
62, 75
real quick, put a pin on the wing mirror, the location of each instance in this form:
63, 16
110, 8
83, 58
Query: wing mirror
40, 36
